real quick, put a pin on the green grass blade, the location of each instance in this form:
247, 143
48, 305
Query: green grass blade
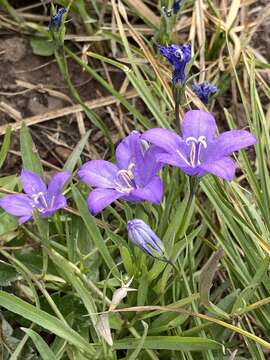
76, 153
178, 343
30, 157
43, 348
5, 146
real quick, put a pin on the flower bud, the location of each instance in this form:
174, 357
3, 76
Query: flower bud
144, 237
204, 91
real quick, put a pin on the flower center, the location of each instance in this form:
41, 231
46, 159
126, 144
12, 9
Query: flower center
124, 180
40, 202
179, 54
195, 150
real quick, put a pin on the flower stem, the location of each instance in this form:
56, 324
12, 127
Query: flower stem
178, 91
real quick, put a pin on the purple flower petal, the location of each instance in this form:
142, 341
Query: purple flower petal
153, 191
224, 168
233, 140
150, 166
57, 183
99, 173
126, 150
165, 139
98, 199
32, 183
197, 123
18, 205
23, 219
176, 160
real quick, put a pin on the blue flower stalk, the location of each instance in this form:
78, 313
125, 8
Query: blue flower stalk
178, 56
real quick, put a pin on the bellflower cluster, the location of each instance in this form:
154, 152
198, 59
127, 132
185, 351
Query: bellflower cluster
204, 91
141, 235
132, 178
38, 197
199, 151
56, 20
178, 56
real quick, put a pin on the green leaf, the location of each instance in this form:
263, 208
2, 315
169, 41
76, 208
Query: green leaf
169, 343
45, 320
30, 157
42, 46
8, 223
136, 352
76, 153
5, 146
7, 274
44, 350
207, 276
93, 231
66, 267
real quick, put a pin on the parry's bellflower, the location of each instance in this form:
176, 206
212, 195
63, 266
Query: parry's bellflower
199, 151
39, 197
141, 235
178, 56
132, 178
204, 91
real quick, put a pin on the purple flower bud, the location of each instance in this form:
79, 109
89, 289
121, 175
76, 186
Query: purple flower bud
144, 237
177, 6
56, 20
178, 56
204, 91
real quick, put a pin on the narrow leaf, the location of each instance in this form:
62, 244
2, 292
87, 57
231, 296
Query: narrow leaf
45, 320
5, 146
76, 153
30, 157
169, 343
207, 276
45, 352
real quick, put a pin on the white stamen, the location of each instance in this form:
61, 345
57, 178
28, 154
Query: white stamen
182, 157
201, 141
126, 176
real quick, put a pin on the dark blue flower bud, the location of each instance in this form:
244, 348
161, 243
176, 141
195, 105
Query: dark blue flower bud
178, 56
144, 237
177, 6
56, 20
204, 91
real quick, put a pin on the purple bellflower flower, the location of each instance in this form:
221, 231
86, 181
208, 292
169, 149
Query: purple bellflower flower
199, 151
56, 20
38, 197
141, 235
204, 91
132, 178
178, 56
